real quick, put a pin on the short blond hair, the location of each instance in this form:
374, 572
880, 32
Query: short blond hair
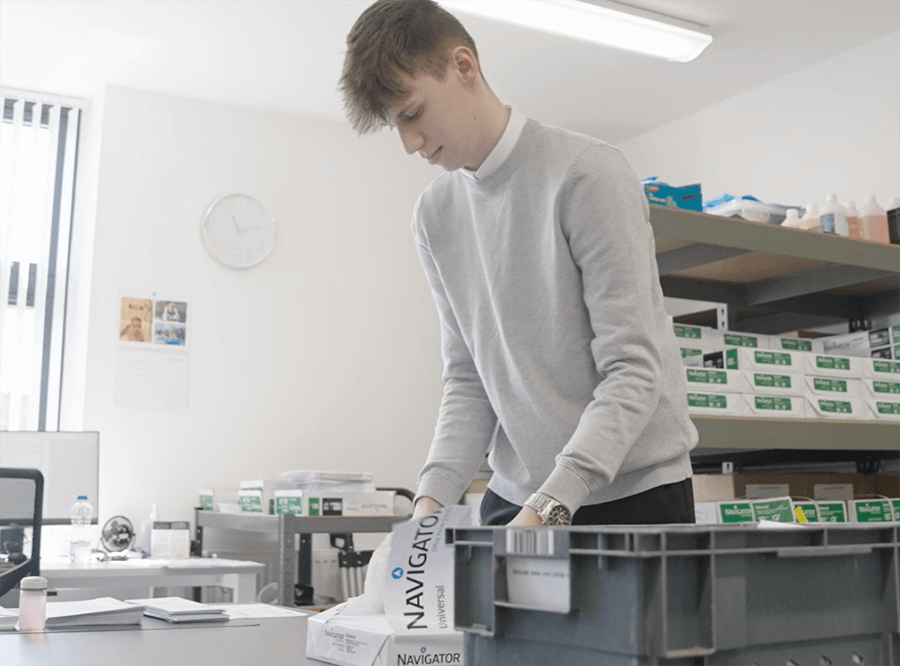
392, 39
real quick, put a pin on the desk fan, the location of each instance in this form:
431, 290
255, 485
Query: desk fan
117, 535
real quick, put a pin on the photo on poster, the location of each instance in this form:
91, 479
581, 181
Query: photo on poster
169, 333
175, 311
135, 317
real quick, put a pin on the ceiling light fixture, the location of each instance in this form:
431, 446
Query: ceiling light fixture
600, 22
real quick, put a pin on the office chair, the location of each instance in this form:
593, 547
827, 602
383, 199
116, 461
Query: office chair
21, 506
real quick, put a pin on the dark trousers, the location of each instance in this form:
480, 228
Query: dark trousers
671, 503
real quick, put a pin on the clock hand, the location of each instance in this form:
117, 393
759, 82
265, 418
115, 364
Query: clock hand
236, 225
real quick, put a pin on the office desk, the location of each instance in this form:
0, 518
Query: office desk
277, 641
194, 572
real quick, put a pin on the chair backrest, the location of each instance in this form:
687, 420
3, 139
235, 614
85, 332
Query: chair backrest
21, 508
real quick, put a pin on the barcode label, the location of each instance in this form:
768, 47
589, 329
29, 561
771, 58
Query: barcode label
529, 542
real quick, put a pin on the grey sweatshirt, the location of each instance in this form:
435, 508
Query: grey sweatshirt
552, 323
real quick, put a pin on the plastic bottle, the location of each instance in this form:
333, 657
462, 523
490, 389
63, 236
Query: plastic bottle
793, 219
810, 219
147, 530
80, 538
32, 604
833, 217
854, 230
873, 221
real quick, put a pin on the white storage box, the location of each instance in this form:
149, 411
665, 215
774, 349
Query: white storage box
795, 344
329, 503
774, 383
878, 409
752, 340
698, 337
860, 343
778, 406
832, 387
825, 365
716, 380
742, 358
305, 479
887, 389
879, 368
832, 408
720, 404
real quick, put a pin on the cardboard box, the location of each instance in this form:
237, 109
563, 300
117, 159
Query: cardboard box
319, 503
698, 337
745, 358
833, 387
734, 511
879, 368
774, 383
885, 484
822, 512
688, 197
871, 511
860, 343
885, 389
824, 365
779, 406
834, 408
777, 509
712, 487
716, 380
258, 495
767, 490
205, 497
722, 404
878, 409
706, 513
813, 345
751, 340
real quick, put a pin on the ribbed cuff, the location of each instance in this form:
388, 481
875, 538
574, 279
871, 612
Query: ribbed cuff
439, 488
566, 486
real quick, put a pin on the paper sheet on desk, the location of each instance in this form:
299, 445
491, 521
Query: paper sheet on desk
254, 611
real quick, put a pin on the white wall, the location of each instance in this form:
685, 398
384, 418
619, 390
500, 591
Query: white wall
325, 356
833, 127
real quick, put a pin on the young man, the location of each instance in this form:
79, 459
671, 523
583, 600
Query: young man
537, 246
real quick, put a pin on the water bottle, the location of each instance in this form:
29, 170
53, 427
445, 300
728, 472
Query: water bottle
80, 539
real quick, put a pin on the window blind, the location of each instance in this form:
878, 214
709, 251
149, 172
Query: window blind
38, 156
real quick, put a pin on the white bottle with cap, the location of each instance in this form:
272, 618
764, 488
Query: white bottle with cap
873, 221
810, 219
32, 604
833, 217
792, 220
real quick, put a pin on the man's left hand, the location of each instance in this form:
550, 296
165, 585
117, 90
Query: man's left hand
527, 517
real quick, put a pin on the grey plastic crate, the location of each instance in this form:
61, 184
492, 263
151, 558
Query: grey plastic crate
683, 594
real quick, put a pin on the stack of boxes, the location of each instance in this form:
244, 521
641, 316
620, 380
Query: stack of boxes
739, 374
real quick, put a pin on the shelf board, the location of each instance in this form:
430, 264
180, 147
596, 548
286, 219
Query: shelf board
735, 432
751, 264
259, 522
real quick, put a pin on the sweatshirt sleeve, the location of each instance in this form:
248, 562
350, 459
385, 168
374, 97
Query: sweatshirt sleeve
466, 420
605, 218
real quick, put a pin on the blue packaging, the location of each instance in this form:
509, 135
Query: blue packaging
663, 194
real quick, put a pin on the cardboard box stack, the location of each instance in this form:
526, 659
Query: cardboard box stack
740, 374
823, 498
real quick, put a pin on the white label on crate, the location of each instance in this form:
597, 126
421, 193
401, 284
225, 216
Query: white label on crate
529, 542
541, 583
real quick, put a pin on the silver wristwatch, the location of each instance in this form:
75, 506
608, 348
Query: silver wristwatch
550, 511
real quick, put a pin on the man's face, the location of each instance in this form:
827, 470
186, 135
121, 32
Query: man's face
437, 121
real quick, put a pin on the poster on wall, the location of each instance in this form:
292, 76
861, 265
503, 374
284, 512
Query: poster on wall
152, 354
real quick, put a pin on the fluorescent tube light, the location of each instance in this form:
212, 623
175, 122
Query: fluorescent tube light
599, 22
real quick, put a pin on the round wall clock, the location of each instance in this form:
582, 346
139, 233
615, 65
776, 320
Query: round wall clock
238, 231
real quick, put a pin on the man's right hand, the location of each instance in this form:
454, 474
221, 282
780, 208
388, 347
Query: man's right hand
426, 505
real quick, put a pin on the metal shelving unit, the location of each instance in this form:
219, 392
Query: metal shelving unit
775, 280
294, 538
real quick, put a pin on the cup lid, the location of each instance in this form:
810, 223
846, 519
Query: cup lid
34, 583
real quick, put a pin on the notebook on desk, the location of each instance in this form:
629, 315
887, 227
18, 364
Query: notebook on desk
178, 610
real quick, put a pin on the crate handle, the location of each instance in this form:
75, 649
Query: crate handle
818, 551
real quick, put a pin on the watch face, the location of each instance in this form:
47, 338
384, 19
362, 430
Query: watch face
559, 515
238, 231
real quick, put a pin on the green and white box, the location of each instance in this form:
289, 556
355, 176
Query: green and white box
795, 344
895, 510
267, 488
774, 382
777, 509
878, 409
744, 358
734, 511
825, 365
721, 404
834, 408
715, 379
871, 511
823, 512
205, 496
777, 406
698, 337
885, 389
839, 388
859, 343
880, 368
692, 357
346, 503
252, 501
751, 340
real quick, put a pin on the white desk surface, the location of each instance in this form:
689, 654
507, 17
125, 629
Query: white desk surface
265, 642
